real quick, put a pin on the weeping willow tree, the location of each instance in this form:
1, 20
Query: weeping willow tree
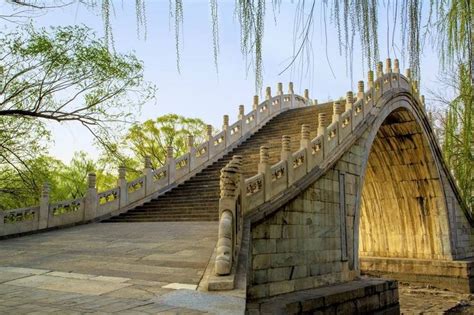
458, 138
447, 24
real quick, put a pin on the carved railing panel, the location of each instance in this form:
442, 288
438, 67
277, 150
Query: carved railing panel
20, 215
66, 212
183, 165
136, 189
279, 173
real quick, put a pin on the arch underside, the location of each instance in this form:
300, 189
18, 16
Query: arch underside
403, 212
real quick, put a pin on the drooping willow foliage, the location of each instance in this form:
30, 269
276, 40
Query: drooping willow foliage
448, 25
458, 140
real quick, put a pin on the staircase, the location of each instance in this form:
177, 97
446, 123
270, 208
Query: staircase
197, 199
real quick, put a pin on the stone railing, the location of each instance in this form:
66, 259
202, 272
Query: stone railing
95, 205
272, 180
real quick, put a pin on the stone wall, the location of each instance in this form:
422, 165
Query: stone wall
308, 243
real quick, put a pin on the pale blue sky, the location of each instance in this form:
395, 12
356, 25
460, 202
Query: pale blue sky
198, 91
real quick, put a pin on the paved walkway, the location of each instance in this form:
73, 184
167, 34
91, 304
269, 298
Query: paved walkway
125, 268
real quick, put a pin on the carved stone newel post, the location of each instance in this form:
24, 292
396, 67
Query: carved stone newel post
226, 243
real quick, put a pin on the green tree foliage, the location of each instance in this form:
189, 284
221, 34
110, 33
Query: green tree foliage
61, 74
152, 138
22, 187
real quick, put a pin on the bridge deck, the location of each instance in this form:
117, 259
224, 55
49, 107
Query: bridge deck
106, 267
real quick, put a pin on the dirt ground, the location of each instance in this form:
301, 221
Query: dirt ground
417, 299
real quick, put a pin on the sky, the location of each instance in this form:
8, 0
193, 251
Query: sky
198, 91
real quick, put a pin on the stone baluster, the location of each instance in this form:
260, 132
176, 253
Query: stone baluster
148, 172
241, 112
225, 122
172, 163
379, 69
337, 111
370, 79
408, 74
315, 102
430, 119
415, 87
287, 156
268, 93
388, 65
321, 124
210, 138
396, 66
349, 100
225, 128
290, 88
255, 102
305, 143
209, 132
91, 202
280, 88
305, 136
43, 216
264, 168
360, 90
122, 184
423, 104
306, 95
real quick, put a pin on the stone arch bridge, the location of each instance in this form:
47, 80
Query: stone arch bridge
302, 199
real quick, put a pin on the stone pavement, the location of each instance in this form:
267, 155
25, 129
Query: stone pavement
125, 268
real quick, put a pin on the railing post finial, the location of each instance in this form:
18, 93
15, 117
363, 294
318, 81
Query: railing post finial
360, 90
209, 132
349, 100
388, 65
337, 111
280, 88
241, 111
396, 66
225, 122
379, 69
268, 93
306, 94
370, 79
408, 73
321, 124
255, 102
305, 136
91, 180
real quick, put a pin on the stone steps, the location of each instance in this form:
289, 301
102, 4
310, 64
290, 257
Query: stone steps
197, 199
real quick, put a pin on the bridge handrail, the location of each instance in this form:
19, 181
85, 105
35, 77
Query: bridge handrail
96, 205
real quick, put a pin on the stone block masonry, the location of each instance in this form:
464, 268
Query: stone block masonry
366, 296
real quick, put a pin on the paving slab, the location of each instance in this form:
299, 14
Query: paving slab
105, 268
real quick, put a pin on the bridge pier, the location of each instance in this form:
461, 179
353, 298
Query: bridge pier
454, 275
360, 296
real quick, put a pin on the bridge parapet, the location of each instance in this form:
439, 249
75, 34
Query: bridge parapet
99, 205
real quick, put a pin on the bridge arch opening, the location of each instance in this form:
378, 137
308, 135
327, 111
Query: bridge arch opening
402, 211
